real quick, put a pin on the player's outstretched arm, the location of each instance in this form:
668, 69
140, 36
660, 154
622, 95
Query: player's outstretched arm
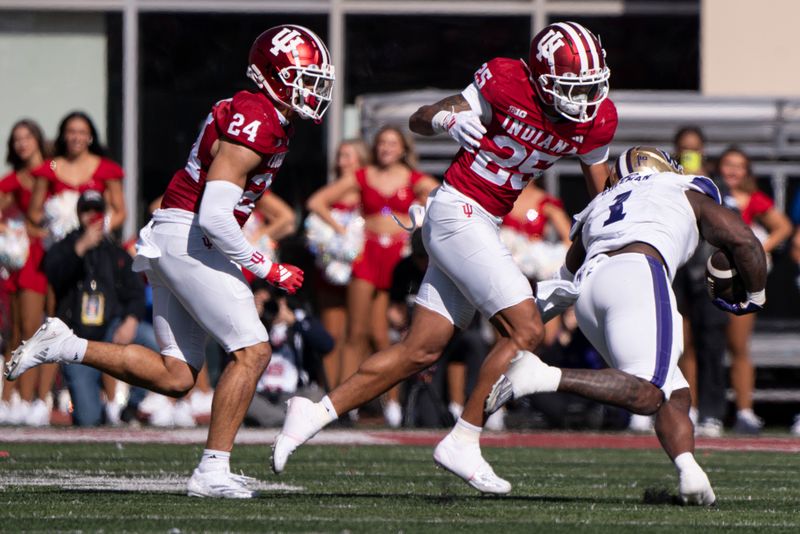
421, 121
725, 229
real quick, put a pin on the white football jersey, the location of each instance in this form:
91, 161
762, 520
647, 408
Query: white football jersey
651, 209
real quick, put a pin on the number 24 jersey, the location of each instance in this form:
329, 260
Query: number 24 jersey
651, 209
248, 119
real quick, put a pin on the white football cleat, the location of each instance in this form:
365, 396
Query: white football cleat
501, 393
466, 462
221, 484
301, 424
695, 488
43, 347
526, 374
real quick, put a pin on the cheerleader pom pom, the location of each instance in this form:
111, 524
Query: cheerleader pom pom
337, 272
14, 245
60, 216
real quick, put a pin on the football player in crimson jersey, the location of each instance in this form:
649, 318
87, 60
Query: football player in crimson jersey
189, 249
514, 121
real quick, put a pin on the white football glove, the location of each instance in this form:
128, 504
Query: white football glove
464, 126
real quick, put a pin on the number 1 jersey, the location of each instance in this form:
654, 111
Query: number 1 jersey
650, 209
521, 141
249, 119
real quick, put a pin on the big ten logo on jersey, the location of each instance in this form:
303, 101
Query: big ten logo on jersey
548, 45
286, 41
482, 75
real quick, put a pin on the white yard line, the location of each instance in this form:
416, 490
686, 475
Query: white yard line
105, 481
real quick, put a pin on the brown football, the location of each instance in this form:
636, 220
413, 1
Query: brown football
723, 280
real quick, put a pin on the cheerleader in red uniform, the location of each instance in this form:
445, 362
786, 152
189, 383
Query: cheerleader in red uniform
353, 154
387, 187
79, 165
27, 287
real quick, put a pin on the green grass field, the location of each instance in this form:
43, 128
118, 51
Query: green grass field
92, 487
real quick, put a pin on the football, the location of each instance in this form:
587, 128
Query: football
722, 279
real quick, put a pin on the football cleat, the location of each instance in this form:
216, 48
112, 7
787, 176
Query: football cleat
526, 374
220, 484
466, 461
301, 424
501, 393
43, 347
695, 488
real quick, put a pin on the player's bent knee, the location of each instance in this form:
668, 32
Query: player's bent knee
528, 335
178, 386
255, 356
648, 399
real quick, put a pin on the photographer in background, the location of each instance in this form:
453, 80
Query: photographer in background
101, 299
299, 342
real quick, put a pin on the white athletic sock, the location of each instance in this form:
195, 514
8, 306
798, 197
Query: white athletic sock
74, 349
466, 433
685, 461
330, 411
214, 461
528, 374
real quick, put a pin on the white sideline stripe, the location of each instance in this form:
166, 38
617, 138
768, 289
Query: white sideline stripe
101, 480
246, 436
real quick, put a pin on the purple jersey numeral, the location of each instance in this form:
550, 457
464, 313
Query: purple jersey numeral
616, 208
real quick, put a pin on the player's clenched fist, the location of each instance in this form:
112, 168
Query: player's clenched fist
465, 127
285, 276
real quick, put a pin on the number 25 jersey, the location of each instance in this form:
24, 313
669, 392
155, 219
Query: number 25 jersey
650, 209
521, 141
249, 119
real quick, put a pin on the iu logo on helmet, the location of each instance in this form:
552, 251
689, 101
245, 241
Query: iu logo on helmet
551, 42
467, 210
286, 41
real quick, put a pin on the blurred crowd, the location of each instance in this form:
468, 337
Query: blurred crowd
62, 254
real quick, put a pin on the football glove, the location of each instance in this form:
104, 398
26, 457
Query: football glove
285, 276
754, 303
464, 126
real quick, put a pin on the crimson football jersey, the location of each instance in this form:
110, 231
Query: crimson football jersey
249, 119
521, 141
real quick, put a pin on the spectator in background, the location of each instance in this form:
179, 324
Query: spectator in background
703, 359
353, 154
27, 286
387, 187
98, 296
772, 227
298, 342
79, 164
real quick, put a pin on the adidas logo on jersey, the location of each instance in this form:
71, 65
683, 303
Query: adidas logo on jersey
578, 139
